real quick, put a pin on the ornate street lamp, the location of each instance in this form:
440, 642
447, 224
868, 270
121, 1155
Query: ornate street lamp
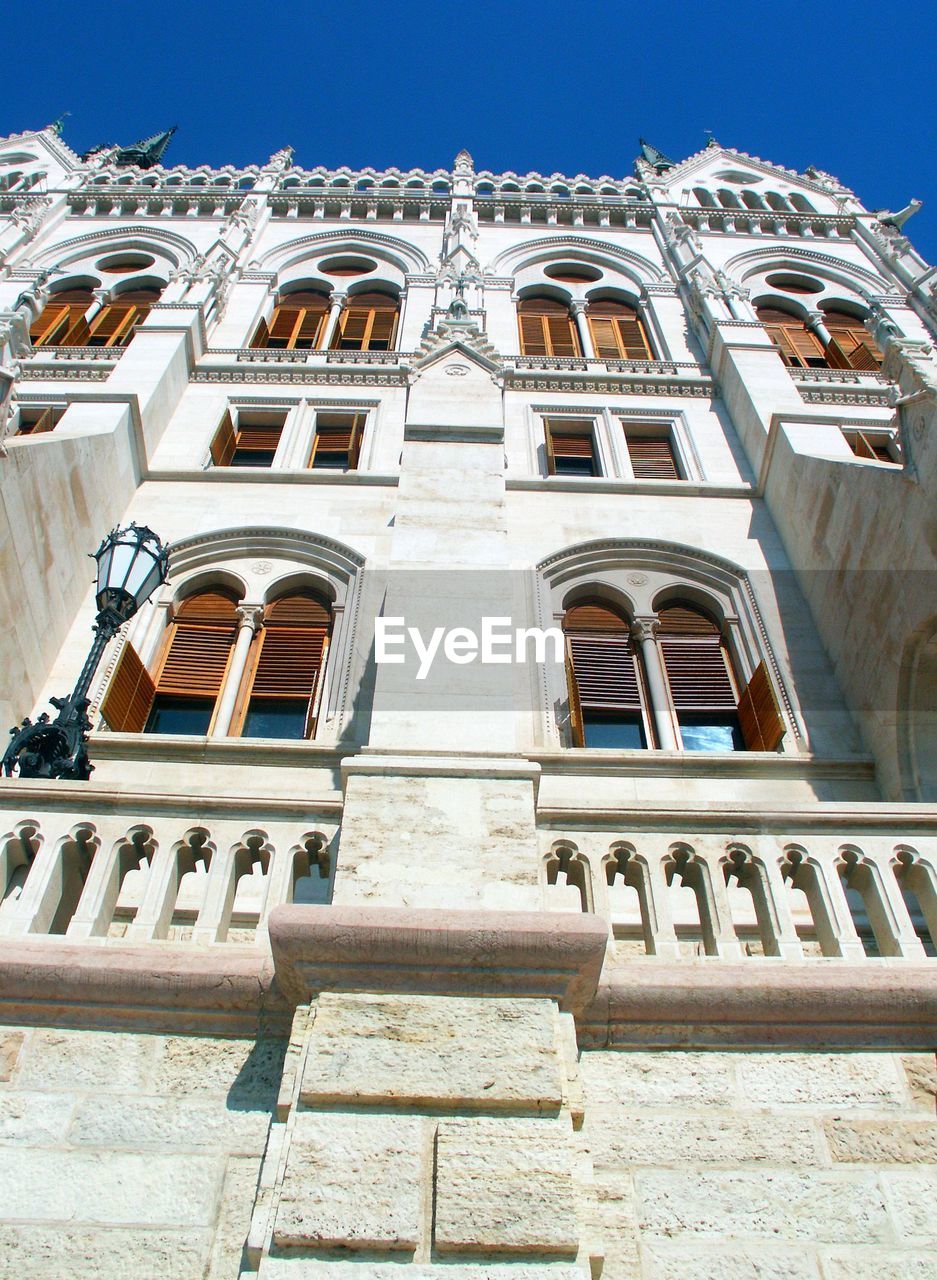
132, 563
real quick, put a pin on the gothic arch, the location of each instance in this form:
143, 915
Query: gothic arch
174, 250
406, 258
620, 261
860, 281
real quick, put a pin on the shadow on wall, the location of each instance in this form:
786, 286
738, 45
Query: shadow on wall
917, 714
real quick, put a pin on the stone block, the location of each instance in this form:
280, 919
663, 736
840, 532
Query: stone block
921, 1071
615, 1226
11, 1042
108, 1187
431, 1050
806, 1205
247, 1071
95, 1060
625, 1138
34, 1119
504, 1186
65, 1252
878, 1264
174, 1123
703, 1261
237, 1202
351, 1181
912, 1195
820, 1079
657, 1079
882, 1141
313, 1269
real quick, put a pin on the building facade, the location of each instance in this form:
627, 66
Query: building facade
511, 850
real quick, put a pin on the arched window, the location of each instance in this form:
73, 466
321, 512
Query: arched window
115, 324
617, 331
368, 323
851, 345
799, 348
284, 676
190, 670
547, 328
297, 322
606, 685
700, 677
63, 315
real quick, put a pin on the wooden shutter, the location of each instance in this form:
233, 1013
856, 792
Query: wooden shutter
45, 326
282, 324
633, 338
533, 338
60, 317
291, 650
562, 337
577, 727
600, 649
652, 457
617, 331
261, 335
605, 338
111, 327
853, 350
199, 646
383, 324
45, 422
572, 444
799, 348
695, 661
224, 442
78, 333
129, 698
306, 335
759, 713
351, 330
264, 436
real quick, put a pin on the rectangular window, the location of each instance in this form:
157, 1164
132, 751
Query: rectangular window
36, 419
337, 442
571, 447
876, 446
652, 453
252, 442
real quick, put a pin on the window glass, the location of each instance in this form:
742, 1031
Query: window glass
180, 715
623, 732
711, 733
280, 718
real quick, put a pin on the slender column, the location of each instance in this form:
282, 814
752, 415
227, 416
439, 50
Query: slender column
331, 324
814, 322
159, 896
27, 914
660, 917
250, 619
781, 927
837, 932
219, 896
888, 913
713, 886
578, 309
102, 886
645, 632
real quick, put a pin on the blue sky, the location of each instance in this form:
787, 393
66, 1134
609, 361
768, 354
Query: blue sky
543, 86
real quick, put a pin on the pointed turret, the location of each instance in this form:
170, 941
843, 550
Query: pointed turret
656, 159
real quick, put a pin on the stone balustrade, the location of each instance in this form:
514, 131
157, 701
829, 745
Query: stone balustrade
173, 877
795, 898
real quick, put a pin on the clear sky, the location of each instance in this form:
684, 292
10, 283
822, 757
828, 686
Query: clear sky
533, 84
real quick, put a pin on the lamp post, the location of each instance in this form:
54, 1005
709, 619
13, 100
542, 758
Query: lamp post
132, 563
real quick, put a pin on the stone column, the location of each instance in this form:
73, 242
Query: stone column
249, 620
645, 633
814, 322
578, 309
331, 324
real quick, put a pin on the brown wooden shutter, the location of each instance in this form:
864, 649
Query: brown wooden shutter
79, 332
111, 327
533, 338
576, 725
759, 713
129, 698
307, 333
261, 335
354, 443
562, 336
606, 671
45, 422
292, 649
572, 444
199, 646
283, 322
605, 338
351, 330
224, 442
695, 661
262, 435
383, 324
45, 326
634, 339
652, 457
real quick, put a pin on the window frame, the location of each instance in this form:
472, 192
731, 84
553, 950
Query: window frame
227, 437
571, 425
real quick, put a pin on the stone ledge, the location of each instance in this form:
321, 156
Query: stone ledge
150, 988
481, 953
830, 1005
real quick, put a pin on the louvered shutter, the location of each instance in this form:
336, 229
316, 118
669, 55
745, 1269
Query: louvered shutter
652, 457
78, 333
576, 724
129, 698
292, 648
572, 444
264, 436
633, 338
354, 443
695, 661
853, 350
605, 338
224, 442
262, 335
307, 332
283, 322
383, 323
44, 328
562, 336
199, 647
601, 652
351, 331
533, 339
111, 327
759, 713
45, 422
